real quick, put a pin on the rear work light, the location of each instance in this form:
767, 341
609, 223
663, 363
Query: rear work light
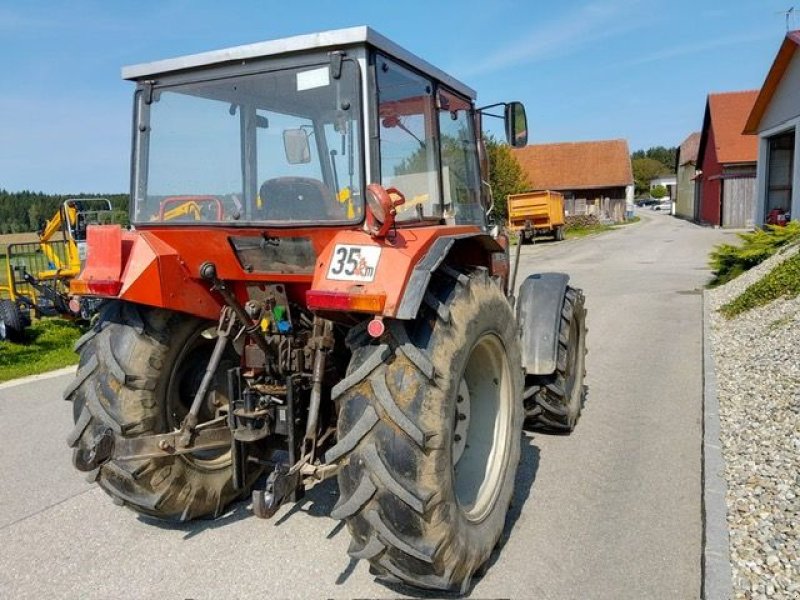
95, 287
368, 303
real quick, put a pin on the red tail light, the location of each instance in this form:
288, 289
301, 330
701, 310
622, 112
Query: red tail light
102, 287
356, 302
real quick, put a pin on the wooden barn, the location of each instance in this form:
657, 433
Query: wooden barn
595, 177
726, 160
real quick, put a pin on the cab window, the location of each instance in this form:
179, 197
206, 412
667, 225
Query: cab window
460, 173
407, 141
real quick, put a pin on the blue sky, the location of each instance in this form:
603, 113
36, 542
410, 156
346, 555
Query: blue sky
634, 69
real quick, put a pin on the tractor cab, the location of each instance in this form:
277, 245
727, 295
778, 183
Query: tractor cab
292, 132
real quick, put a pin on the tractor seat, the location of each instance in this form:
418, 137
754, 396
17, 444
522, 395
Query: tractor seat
294, 199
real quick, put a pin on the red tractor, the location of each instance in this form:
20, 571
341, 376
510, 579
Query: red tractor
335, 303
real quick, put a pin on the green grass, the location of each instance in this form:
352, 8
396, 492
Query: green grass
781, 282
579, 232
49, 347
583, 231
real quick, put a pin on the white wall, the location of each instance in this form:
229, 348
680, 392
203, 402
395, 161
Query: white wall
784, 106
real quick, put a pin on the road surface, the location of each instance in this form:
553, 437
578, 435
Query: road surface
611, 511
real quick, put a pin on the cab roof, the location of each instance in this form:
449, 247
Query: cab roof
337, 38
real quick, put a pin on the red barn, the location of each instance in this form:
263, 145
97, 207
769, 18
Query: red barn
727, 161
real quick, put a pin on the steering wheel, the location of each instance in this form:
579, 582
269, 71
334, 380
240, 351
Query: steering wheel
186, 203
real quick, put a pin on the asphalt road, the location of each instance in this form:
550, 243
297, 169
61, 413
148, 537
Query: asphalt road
611, 511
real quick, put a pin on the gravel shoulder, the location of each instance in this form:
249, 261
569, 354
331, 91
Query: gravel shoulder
757, 358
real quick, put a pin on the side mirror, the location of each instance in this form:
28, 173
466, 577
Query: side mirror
295, 145
516, 125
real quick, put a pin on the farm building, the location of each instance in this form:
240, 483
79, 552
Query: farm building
686, 166
668, 182
595, 177
727, 162
775, 118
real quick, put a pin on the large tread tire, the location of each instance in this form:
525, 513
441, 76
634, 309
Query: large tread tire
127, 360
554, 402
397, 408
12, 322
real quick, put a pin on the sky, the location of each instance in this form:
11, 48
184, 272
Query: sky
597, 69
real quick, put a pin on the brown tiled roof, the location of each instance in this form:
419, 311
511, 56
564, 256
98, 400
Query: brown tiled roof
688, 151
576, 165
729, 112
776, 72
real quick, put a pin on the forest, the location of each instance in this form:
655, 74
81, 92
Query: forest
27, 211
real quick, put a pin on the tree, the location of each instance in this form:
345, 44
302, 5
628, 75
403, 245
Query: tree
646, 169
666, 156
506, 176
658, 192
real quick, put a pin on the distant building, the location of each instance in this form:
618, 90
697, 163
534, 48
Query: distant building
667, 181
686, 166
776, 118
595, 177
727, 160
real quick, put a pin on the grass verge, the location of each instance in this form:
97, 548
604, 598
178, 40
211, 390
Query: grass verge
49, 347
580, 231
782, 281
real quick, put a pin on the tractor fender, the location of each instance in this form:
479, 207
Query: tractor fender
414, 291
541, 297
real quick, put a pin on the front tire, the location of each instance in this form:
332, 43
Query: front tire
138, 371
554, 402
429, 430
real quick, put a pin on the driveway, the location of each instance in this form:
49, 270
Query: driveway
611, 511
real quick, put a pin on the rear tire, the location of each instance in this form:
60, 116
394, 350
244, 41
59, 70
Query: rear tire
424, 490
12, 322
554, 402
560, 233
137, 375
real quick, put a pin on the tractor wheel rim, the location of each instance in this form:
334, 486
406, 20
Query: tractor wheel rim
479, 468
184, 381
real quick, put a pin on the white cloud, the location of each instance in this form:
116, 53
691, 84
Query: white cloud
687, 49
584, 25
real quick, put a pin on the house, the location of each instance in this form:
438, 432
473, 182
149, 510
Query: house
775, 118
727, 162
666, 181
686, 167
595, 177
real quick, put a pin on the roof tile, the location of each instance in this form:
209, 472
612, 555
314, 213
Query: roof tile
689, 148
576, 165
729, 112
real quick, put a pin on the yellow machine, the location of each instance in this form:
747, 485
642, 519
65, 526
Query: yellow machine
535, 213
37, 274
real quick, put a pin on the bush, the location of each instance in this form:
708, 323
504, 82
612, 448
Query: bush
728, 261
658, 192
782, 281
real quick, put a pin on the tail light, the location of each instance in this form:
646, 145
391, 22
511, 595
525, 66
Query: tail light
345, 301
94, 287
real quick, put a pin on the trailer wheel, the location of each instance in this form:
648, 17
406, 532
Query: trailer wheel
429, 429
554, 402
560, 233
12, 322
139, 369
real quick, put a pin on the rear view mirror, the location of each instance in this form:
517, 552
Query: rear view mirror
516, 125
295, 145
